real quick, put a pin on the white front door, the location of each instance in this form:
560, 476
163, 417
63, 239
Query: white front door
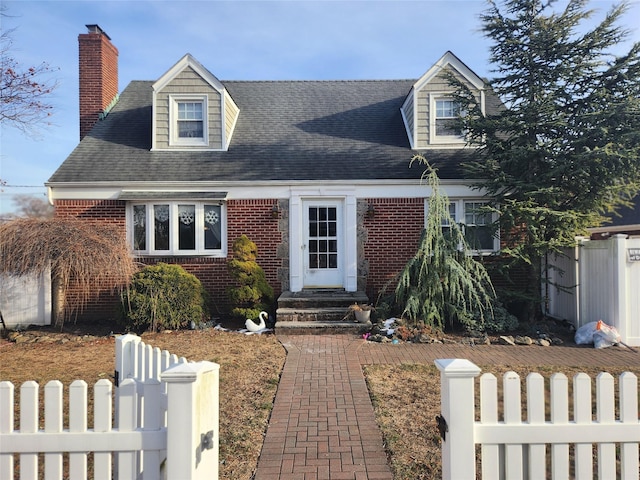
323, 243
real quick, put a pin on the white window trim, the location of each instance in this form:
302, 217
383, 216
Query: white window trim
460, 220
199, 251
176, 141
440, 139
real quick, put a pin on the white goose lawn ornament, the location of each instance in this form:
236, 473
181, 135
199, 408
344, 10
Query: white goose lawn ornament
253, 326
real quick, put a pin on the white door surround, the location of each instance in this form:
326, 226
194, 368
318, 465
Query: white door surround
329, 269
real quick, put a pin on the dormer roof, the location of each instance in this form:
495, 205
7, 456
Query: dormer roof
188, 61
430, 105
450, 60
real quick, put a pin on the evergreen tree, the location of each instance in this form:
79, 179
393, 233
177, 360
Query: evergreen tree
252, 294
442, 282
564, 149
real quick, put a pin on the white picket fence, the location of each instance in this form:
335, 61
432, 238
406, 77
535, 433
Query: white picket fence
537, 447
166, 421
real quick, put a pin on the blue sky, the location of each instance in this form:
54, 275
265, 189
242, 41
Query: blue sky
235, 40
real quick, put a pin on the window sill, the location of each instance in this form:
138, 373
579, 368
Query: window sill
179, 255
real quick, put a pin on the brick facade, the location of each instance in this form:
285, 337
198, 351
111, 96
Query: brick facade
389, 234
253, 218
392, 228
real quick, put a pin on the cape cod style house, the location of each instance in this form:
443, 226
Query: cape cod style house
316, 173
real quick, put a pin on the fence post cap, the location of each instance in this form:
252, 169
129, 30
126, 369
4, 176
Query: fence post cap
128, 336
187, 372
457, 367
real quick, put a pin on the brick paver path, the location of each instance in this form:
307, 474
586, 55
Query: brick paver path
322, 425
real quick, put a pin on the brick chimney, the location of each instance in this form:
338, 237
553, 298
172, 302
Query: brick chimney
98, 76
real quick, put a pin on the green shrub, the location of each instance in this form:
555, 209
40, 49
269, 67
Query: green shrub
162, 297
252, 294
498, 320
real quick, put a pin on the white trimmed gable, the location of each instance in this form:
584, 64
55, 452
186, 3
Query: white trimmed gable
420, 107
192, 109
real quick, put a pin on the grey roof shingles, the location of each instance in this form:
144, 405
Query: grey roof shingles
286, 131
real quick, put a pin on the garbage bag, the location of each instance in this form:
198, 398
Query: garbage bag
597, 333
584, 334
605, 335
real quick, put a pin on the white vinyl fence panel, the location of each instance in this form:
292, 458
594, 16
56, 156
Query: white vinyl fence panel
600, 280
26, 300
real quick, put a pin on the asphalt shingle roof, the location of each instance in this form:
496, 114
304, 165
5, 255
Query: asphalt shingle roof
286, 131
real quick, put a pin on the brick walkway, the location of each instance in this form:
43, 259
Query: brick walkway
322, 425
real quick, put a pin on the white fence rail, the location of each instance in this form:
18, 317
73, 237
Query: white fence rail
598, 280
166, 425
531, 448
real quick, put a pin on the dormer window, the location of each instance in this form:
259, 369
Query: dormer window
445, 112
188, 120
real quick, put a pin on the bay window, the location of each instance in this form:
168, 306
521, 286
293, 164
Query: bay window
177, 228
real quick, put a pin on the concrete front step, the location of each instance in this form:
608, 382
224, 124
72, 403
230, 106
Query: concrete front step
320, 328
320, 314
318, 311
321, 298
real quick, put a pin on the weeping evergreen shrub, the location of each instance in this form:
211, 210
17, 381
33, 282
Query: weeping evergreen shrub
163, 296
443, 282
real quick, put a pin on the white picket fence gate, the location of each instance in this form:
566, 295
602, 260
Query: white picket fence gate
536, 447
166, 421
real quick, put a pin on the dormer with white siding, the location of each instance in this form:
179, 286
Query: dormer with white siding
192, 109
430, 108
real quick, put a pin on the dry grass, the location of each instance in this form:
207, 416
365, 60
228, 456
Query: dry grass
250, 367
406, 399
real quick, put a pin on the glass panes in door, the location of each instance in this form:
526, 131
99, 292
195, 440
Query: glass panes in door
323, 240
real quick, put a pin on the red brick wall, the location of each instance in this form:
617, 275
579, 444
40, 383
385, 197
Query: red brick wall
393, 233
251, 217
99, 211
111, 211
98, 69
254, 219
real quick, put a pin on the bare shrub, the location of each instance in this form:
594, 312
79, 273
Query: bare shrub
91, 258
